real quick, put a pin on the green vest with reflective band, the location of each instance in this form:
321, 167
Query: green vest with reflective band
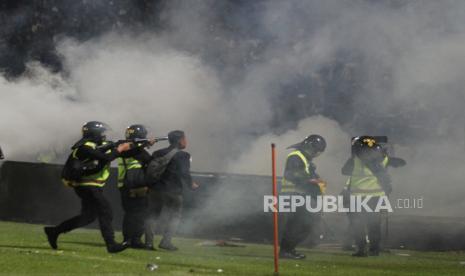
131, 163
363, 181
288, 186
96, 179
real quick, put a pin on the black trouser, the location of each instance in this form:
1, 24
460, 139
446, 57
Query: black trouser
297, 226
135, 213
165, 208
364, 223
93, 206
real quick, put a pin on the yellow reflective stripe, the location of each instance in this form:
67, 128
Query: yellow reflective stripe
90, 144
302, 157
93, 184
74, 153
288, 186
378, 193
131, 163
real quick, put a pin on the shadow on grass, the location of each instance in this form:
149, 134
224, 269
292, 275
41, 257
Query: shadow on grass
95, 244
24, 247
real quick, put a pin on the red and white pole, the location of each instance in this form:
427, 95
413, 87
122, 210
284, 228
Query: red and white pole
275, 205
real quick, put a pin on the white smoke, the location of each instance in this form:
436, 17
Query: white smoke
217, 83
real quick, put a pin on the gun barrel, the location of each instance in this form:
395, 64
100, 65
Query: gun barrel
163, 138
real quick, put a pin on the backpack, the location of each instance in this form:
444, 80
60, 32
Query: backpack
157, 167
74, 168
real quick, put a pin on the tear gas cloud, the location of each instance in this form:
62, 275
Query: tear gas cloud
219, 70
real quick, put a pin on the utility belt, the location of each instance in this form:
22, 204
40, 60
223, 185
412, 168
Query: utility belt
289, 187
136, 192
84, 183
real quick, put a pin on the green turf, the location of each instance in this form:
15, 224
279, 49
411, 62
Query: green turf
24, 250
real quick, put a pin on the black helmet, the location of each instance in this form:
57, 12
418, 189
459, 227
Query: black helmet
313, 144
366, 148
136, 132
95, 131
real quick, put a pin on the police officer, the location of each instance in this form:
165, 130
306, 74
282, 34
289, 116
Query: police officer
300, 178
133, 187
90, 187
367, 168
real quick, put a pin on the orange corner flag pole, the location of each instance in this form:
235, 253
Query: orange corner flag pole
275, 213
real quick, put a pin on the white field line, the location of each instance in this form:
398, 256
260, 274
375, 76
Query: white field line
72, 254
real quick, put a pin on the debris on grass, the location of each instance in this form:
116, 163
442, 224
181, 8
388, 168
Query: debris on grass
220, 243
219, 270
403, 254
152, 267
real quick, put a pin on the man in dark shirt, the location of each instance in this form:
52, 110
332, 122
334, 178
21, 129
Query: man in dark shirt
300, 178
90, 187
167, 195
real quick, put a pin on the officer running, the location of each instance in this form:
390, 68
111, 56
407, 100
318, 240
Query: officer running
133, 187
367, 169
90, 187
300, 178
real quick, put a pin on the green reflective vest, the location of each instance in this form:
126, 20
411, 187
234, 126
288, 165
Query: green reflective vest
288, 186
126, 164
363, 181
97, 179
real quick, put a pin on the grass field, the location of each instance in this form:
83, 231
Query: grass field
24, 250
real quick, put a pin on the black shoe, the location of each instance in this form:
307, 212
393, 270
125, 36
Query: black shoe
52, 236
116, 247
291, 255
167, 246
298, 254
347, 247
149, 248
137, 244
360, 253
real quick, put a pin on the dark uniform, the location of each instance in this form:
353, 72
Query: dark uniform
166, 197
368, 177
90, 190
133, 199
300, 178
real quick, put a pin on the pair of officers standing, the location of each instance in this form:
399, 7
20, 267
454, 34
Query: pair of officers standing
132, 160
367, 171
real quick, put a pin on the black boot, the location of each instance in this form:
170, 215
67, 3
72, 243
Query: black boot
52, 236
374, 252
361, 252
291, 254
116, 247
167, 245
137, 244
